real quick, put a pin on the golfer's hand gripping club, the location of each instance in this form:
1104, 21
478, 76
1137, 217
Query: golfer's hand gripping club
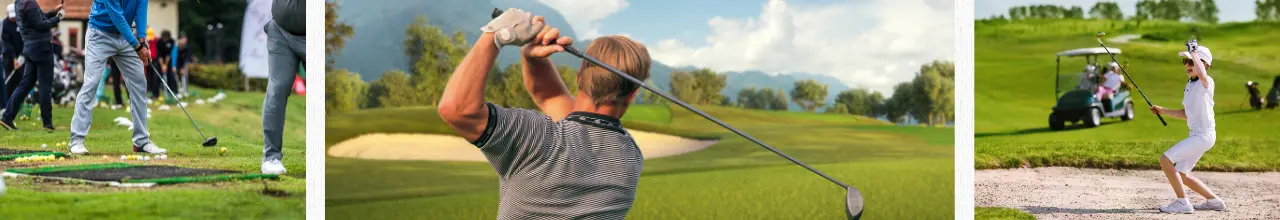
1126, 75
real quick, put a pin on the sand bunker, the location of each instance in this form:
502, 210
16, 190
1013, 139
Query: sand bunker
453, 148
1074, 193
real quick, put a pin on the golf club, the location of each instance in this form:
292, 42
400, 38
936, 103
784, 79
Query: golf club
853, 198
1126, 75
208, 141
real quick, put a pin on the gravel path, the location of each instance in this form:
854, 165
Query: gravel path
1074, 193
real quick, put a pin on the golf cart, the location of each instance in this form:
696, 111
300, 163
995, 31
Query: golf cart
1076, 93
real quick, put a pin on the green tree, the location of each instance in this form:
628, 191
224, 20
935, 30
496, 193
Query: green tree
809, 94
344, 91
393, 90
1106, 11
336, 33
751, 98
1205, 11
1267, 10
838, 108
858, 102
900, 103
777, 101
876, 102
513, 88
701, 86
433, 55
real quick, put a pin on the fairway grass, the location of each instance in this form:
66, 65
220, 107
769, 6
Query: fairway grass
1014, 67
897, 189
904, 172
989, 213
235, 120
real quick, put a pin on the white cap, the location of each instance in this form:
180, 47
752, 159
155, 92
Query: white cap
1203, 52
1113, 64
12, 13
1088, 68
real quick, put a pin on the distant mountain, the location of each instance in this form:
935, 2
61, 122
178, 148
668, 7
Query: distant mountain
376, 46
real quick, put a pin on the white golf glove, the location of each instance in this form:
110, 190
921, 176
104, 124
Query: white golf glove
61, 14
1192, 45
513, 27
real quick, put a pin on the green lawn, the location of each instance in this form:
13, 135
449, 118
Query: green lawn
988, 213
236, 121
905, 172
1014, 66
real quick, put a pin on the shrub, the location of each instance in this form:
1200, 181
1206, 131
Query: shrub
223, 76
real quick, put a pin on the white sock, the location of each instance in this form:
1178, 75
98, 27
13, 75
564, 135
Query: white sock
1184, 201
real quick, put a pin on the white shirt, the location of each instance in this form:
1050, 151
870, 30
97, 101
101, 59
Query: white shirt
1198, 104
1113, 80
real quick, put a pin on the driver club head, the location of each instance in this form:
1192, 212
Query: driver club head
853, 204
212, 141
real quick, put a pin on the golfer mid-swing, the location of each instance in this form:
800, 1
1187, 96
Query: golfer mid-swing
571, 161
1198, 103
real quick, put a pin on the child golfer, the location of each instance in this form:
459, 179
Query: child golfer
1178, 161
572, 160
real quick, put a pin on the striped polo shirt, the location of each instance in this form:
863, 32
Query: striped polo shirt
583, 167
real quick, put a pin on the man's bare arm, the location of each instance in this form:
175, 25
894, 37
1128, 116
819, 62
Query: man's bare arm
540, 76
462, 104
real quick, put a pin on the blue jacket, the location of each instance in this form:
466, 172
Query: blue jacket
114, 16
11, 38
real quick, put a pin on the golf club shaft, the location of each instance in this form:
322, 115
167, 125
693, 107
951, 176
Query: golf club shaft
569, 48
1131, 81
575, 52
175, 97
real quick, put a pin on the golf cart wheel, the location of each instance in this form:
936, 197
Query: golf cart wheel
1094, 119
1055, 123
1128, 112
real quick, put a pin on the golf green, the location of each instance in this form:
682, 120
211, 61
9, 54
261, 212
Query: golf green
903, 172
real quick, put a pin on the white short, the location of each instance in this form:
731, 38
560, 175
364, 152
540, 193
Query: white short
1187, 152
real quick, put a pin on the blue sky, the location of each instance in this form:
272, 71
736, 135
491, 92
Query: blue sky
865, 43
1228, 10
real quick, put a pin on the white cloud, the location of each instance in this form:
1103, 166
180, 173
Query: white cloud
874, 44
585, 16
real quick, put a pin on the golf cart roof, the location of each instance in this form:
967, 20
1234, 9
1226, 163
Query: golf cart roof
1088, 51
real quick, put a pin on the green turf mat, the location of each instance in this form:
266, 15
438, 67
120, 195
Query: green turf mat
51, 169
16, 156
209, 178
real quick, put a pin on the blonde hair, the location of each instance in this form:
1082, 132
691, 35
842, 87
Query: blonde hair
621, 53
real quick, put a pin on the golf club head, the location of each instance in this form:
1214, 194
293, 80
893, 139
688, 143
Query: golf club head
1100, 34
212, 141
853, 203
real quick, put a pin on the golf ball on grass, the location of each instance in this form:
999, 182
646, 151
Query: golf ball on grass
222, 151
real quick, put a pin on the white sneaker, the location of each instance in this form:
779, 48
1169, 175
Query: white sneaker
150, 148
79, 149
1178, 206
1212, 204
274, 166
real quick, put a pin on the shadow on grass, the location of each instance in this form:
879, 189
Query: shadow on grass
1076, 126
1245, 110
1048, 210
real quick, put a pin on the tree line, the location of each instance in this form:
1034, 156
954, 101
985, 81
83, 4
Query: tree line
1205, 11
433, 54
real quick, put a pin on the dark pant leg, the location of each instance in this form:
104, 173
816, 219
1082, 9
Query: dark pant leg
5, 68
116, 79
44, 83
172, 80
153, 82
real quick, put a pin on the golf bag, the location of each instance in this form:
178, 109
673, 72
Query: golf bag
1255, 96
1273, 96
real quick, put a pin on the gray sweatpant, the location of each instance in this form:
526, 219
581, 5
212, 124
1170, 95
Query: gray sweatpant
99, 47
285, 51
